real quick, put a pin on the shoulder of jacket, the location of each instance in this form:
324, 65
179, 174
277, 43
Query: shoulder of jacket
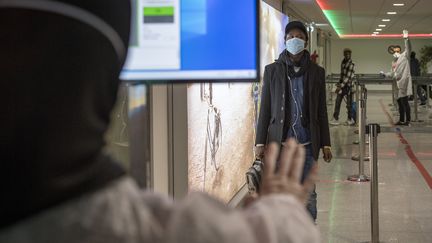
317, 67
273, 65
272, 68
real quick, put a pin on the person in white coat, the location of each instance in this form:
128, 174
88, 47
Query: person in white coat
401, 73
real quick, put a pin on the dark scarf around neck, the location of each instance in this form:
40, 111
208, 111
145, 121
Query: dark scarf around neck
303, 64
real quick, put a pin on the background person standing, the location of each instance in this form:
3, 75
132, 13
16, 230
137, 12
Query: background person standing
401, 73
344, 88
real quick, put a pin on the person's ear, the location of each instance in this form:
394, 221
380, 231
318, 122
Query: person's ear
306, 44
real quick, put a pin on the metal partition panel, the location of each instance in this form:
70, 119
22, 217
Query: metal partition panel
178, 136
139, 120
160, 150
117, 136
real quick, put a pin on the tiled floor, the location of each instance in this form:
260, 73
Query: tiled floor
405, 199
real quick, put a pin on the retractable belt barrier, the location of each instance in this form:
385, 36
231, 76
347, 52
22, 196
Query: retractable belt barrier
361, 158
416, 82
330, 81
373, 130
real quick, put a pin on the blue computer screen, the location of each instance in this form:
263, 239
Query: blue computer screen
193, 40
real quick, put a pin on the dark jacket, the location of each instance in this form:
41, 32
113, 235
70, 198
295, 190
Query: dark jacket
415, 67
274, 117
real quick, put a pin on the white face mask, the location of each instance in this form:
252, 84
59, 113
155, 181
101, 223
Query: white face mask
396, 55
295, 45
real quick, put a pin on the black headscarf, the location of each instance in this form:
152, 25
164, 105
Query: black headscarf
59, 83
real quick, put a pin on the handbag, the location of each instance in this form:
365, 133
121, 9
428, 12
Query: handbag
253, 176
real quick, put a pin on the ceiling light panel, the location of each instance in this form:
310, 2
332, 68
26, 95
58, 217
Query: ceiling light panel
337, 19
331, 15
385, 36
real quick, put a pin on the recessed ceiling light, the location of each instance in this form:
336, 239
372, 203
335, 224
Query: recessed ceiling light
386, 20
399, 4
391, 13
381, 25
376, 33
378, 29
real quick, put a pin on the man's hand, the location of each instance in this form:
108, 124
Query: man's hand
327, 154
287, 180
338, 88
259, 152
405, 34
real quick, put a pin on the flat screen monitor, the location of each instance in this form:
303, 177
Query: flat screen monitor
193, 40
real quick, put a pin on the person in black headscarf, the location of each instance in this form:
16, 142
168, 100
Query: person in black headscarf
61, 79
293, 103
60, 66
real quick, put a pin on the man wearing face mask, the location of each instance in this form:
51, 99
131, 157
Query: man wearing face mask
401, 73
293, 103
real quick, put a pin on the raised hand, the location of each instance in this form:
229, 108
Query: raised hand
287, 179
405, 34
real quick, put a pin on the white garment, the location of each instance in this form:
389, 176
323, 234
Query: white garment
401, 72
121, 213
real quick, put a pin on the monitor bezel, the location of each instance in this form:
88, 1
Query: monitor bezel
215, 80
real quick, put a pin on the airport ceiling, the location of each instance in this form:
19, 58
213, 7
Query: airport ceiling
361, 18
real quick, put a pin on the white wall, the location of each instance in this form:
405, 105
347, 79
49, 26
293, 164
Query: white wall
277, 4
272, 36
370, 56
219, 156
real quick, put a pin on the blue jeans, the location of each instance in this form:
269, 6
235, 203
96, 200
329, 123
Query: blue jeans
309, 162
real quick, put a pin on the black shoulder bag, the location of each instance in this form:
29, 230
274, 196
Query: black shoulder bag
253, 176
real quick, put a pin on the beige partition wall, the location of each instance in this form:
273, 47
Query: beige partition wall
159, 126
220, 137
203, 134
222, 119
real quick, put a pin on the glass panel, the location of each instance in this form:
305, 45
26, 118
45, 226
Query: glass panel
117, 136
139, 120
131, 116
